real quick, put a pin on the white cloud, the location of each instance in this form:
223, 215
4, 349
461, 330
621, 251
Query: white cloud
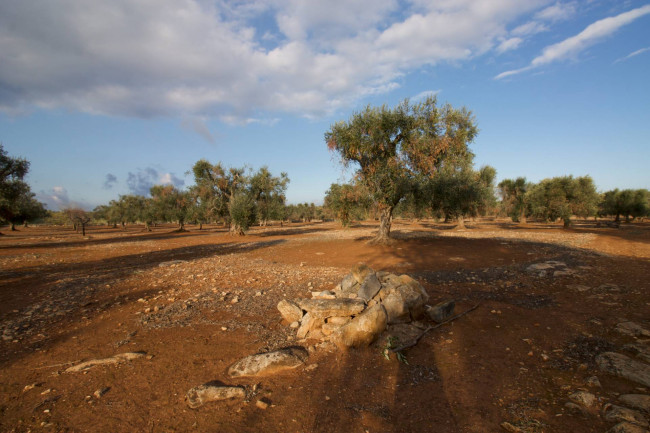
509, 44
245, 60
574, 45
529, 28
557, 12
427, 93
635, 53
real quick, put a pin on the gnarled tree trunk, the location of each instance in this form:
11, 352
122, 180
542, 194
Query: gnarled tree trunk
461, 223
385, 222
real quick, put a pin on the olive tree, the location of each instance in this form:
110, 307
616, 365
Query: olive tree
392, 147
562, 197
17, 202
513, 198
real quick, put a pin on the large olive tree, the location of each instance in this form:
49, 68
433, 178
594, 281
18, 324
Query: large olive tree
393, 147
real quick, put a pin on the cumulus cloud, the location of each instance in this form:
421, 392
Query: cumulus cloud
57, 199
140, 182
230, 59
110, 181
574, 45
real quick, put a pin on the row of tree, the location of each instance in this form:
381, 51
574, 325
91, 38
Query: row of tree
234, 196
415, 160
562, 197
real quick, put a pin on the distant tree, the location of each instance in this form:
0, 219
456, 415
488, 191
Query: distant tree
243, 212
170, 204
628, 203
513, 198
17, 202
268, 192
79, 218
342, 201
393, 147
462, 193
561, 197
216, 187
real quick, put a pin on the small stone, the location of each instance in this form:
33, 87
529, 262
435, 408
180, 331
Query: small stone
583, 398
511, 428
234, 300
212, 391
268, 363
575, 408
262, 404
147, 310
441, 311
294, 325
100, 392
594, 382
544, 357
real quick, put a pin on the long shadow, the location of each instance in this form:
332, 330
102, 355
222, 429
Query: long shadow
130, 237
290, 232
67, 286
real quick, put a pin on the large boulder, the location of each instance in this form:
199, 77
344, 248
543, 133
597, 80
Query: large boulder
323, 308
404, 299
625, 367
363, 329
269, 363
289, 311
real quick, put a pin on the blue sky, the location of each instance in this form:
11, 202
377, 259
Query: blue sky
107, 98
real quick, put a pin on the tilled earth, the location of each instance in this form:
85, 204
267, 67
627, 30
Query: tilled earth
195, 302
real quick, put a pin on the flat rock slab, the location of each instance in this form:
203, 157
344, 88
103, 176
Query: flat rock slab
615, 413
269, 363
626, 427
117, 359
631, 328
625, 367
636, 401
199, 395
323, 308
369, 287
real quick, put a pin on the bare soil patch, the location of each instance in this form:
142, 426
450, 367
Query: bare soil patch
196, 302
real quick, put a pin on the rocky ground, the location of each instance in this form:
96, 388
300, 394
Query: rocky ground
136, 331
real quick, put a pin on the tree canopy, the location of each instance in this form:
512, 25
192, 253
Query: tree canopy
17, 202
394, 147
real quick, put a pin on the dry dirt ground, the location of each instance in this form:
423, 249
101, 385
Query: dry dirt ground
197, 301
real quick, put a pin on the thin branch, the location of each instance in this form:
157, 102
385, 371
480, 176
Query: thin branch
417, 339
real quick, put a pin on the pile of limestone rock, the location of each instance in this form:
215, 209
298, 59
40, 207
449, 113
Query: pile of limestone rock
361, 307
